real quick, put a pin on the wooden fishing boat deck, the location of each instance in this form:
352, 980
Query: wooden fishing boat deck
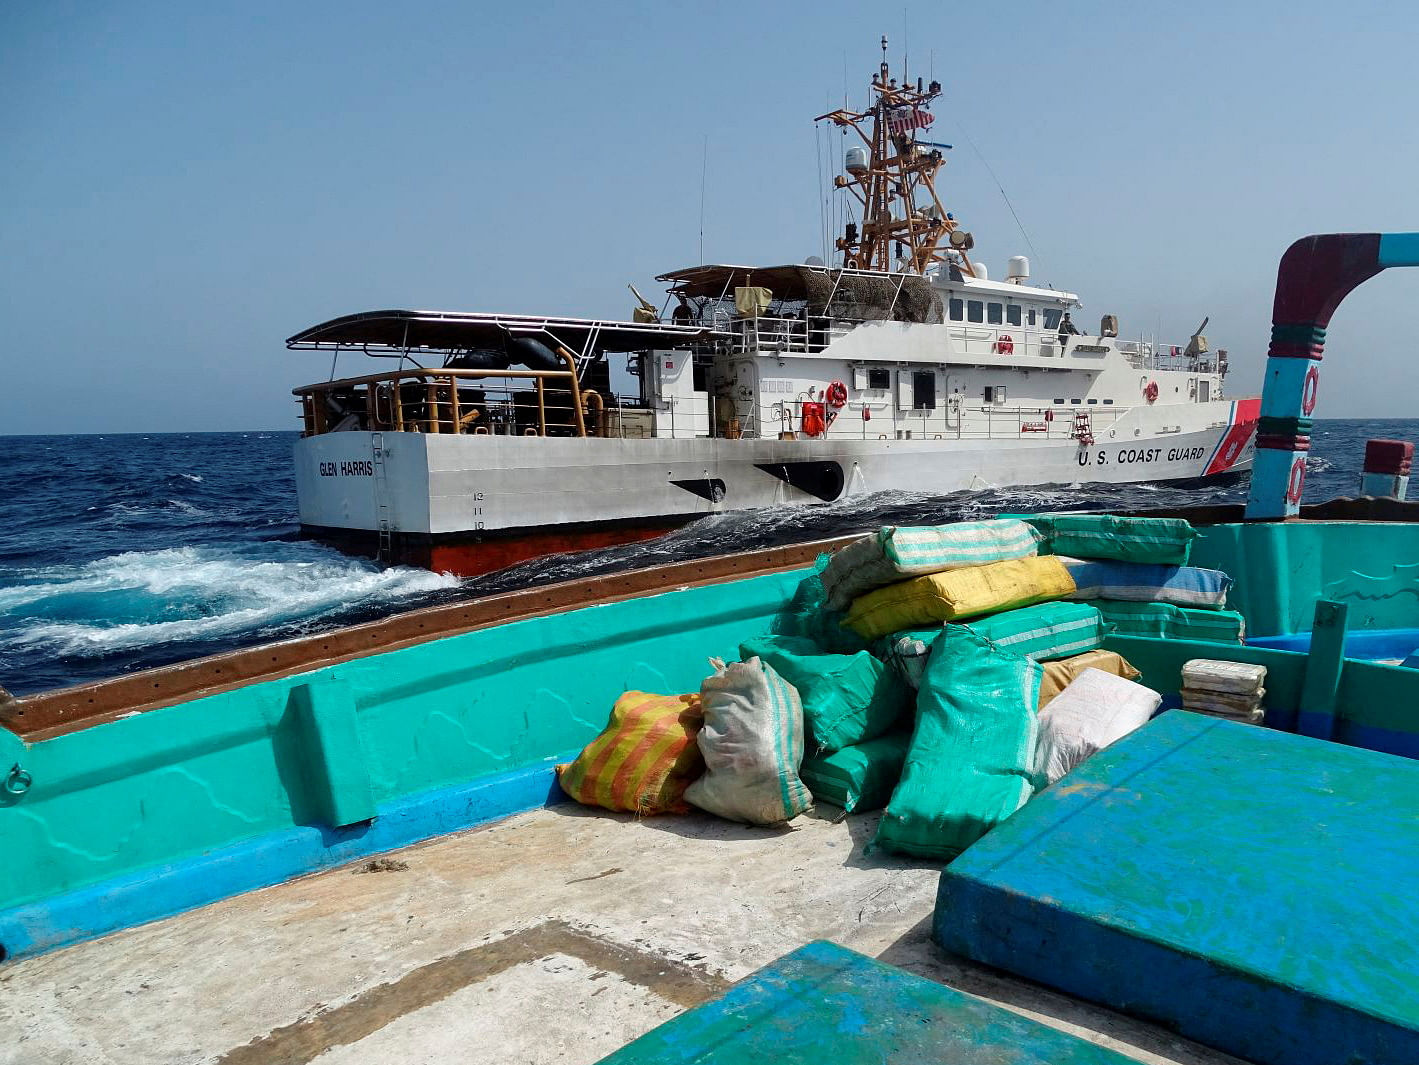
554, 936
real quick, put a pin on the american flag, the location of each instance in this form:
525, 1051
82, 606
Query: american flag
905, 119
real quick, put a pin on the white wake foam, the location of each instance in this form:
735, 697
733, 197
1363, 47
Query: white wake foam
140, 598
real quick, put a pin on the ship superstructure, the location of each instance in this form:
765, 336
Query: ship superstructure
902, 366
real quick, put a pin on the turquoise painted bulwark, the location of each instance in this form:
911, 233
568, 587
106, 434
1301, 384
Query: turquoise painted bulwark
163, 810
1279, 570
315, 761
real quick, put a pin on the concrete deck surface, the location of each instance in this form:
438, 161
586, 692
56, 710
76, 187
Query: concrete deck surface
554, 936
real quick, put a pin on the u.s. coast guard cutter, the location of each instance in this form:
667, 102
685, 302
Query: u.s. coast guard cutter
497, 438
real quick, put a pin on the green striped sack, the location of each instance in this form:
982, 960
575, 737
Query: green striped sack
893, 554
1165, 621
1045, 631
846, 699
971, 760
809, 615
752, 741
860, 777
1165, 540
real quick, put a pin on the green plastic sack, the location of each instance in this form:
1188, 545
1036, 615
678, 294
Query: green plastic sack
809, 616
1165, 621
1166, 540
1049, 630
906, 652
860, 777
971, 760
847, 699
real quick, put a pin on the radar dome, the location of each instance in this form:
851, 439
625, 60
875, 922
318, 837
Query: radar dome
1017, 269
855, 161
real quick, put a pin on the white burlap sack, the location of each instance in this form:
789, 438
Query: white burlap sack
752, 741
1095, 710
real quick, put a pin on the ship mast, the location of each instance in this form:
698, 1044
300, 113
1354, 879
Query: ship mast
894, 181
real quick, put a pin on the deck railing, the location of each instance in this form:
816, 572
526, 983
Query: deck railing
475, 402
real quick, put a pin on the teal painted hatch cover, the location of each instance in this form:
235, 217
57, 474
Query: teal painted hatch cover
1251, 889
826, 1004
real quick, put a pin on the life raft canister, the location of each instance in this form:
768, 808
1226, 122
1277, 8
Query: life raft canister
1151, 392
836, 394
1005, 345
814, 418
1049, 415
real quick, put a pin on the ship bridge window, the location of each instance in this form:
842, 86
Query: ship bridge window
975, 311
1093, 402
994, 313
958, 310
924, 390
1052, 316
879, 378
1060, 402
1108, 402
1032, 316
1012, 314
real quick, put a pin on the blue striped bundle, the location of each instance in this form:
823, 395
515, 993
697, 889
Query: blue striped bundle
1142, 582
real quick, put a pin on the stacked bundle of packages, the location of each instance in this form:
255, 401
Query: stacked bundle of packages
1135, 571
892, 589
966, 614
1233, 690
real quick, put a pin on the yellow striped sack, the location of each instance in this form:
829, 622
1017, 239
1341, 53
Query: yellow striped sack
644, 759
958, 593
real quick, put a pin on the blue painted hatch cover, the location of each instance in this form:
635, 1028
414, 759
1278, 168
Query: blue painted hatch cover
1253, 890
826, 1004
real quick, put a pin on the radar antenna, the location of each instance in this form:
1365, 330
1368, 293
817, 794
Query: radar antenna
894, 181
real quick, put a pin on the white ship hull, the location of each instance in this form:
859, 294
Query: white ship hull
475, 503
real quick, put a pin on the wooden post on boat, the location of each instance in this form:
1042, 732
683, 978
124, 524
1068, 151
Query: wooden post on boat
1320, 688
1315, 274
397, 399
372, 405
541, 406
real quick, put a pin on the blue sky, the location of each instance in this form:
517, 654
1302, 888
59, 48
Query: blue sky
186, 185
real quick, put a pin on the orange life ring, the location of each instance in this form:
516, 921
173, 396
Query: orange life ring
836, 394
1005, 345
1151, 392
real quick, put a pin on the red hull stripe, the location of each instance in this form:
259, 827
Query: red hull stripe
1243, 423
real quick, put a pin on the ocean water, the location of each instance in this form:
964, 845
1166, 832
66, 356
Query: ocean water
118, 553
